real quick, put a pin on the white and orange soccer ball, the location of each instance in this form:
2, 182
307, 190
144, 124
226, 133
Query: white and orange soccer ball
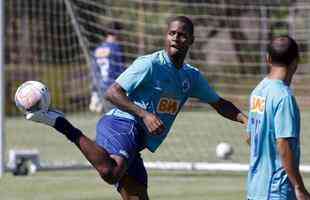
224, 150
32, 96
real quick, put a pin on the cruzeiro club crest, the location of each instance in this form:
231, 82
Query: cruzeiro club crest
185, 85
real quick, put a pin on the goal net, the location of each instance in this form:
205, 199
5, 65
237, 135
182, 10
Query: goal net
52, 41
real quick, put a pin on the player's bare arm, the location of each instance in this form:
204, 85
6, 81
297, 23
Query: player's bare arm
229, 110
117, 96
287, 157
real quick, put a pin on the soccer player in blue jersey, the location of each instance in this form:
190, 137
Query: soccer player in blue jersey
274, 129
107, 64
148, 95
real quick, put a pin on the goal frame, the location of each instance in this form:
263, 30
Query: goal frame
2, 88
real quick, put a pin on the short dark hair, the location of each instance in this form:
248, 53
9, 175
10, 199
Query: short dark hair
185, 20
113, 28
283, 50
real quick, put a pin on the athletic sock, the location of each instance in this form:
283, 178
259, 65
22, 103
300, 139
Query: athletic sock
65, 127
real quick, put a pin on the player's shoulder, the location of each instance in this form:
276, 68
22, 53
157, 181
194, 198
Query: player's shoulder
149, 56
152, 56
190, 68
191, 71
144, 62
149, 59
279, 91
274, 89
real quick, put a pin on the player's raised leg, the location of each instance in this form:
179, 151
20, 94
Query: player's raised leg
111, 169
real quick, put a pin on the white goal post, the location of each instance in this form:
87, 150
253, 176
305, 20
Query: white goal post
2, 88
52, 40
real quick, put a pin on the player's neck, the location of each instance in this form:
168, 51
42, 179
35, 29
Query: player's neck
280, 73
178, 61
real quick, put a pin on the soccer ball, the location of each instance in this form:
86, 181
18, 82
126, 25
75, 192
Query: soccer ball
32, 96
224, 150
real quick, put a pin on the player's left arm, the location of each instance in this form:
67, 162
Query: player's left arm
203, 91
229, 110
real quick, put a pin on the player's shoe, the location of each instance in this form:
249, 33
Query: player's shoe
56, 120
47, 117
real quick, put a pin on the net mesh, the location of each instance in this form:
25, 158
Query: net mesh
51, 40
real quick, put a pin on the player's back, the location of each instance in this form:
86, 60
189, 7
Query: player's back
267, 176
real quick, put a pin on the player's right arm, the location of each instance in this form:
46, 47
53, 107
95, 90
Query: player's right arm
287, 135
139, 73
288, 161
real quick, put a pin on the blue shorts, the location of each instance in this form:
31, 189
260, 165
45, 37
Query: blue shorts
123, 137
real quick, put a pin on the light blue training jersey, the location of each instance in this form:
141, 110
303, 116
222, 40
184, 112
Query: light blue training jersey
155, 84
273, 114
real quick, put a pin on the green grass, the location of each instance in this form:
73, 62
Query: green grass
86, 185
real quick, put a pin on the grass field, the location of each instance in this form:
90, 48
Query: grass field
193, 138
86, 185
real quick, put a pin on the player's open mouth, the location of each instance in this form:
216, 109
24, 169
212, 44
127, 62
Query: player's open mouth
175, 47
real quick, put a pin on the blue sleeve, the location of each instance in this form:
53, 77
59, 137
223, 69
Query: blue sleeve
284, 120
202, 90
139, 72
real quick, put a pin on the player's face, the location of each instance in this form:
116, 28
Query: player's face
178, 39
